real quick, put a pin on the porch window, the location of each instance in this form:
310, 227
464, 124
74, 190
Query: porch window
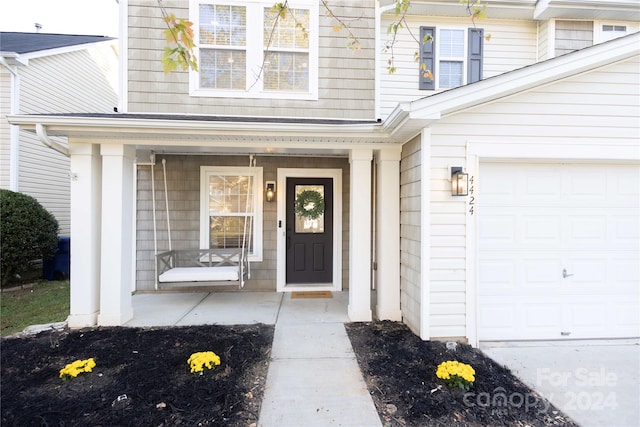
245, 52
231, 208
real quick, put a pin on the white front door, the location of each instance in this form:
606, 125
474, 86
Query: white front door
559, 250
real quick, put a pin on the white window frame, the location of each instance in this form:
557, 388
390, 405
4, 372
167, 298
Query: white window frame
464, 59
256, 174
255, 51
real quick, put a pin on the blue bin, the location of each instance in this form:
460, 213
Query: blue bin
59, 267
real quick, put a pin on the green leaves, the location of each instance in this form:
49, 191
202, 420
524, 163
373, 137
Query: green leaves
180, 51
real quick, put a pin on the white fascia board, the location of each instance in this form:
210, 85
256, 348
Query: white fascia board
66, 49
585, 9
13, 58
526, 78
65, 125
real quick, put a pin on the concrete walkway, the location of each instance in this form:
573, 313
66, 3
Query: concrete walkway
313, 378
596, 383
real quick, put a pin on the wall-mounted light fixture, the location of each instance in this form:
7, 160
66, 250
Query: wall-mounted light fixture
270, 191
459, 182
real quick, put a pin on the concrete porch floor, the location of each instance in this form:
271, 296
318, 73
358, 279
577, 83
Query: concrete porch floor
234, 308
207, 308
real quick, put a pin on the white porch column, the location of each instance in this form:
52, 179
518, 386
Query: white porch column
388, 234
85, 186
359, 309
117, 226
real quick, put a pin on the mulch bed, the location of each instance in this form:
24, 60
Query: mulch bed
399, 370
141, 377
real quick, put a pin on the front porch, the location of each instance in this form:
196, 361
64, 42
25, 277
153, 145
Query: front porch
235, 308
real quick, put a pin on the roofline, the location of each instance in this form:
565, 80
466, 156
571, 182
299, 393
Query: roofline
62, 50
404, 122
435, 106
64, 125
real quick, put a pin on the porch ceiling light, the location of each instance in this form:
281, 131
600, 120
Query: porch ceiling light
270, 191
459, 181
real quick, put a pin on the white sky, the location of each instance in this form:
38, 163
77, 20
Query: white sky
85, 17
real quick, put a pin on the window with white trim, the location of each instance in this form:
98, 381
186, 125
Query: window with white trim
231, 208
609, 31
245, 52
454, 56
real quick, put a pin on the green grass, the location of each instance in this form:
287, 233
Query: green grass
44, 302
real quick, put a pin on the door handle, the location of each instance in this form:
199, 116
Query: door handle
564, 273
288, 238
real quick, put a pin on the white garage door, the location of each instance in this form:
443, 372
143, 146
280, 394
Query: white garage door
559, 251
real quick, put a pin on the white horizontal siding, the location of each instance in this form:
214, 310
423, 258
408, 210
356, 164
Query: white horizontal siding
5, 133
513, 45
596, 108
410, 208
345, 77
79, 81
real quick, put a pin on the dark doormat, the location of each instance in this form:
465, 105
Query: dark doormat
311, 294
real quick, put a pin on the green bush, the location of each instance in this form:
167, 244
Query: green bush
27, 232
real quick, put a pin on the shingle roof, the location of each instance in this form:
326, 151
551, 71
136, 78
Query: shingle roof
33, 42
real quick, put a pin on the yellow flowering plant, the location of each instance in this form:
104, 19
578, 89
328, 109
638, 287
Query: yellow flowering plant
204, 359
456, 374
76, 368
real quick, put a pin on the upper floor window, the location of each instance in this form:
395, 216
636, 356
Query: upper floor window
606, 32
454, 56
248, 50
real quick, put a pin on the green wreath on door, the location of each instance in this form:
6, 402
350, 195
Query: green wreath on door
310, 204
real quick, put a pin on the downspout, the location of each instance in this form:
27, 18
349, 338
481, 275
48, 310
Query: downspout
14, 131
41, 132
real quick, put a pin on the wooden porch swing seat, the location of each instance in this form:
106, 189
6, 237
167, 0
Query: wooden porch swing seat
202, 267
215, 266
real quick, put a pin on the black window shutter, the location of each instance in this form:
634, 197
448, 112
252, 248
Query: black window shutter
427, 57
476, 40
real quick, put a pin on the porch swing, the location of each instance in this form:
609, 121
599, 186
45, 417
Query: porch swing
203, 267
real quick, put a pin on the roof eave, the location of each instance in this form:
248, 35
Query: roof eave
526, 78
102, 128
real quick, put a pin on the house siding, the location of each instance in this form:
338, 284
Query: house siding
596, 108
410, 207
183, 182
513, 45
5, 132
345, 76
78, 81
573, 35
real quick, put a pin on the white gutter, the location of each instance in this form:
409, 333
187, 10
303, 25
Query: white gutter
41, 132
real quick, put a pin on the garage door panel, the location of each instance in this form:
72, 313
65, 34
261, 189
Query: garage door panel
541, 185
498, 232
540, 273
499, 275
626, 272
626, 231
624, 317
586, 272
541, 231
586, 230
586, 185
582, 218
